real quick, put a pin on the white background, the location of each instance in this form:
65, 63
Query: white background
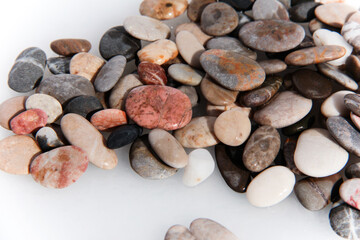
118, 204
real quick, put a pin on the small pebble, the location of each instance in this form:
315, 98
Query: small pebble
272, 66
123, 136
191, 93
10, 108
353, 171
86, 65
345, 221
334, 105
185, 74
59, 65
83, 106
158, 52
48, 139
28, 121
190, 52
69, 47
338, 76
121, 89
334, 14
151, 74
178, 232
269, 9
206, 229
350, 192
163, 9
47, 103
195, 29
108, 118
352, 102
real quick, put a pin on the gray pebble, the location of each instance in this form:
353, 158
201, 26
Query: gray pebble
352, 102
59, 65
345, 221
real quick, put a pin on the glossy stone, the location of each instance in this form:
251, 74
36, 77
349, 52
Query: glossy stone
48, 139
86, 65
352, 102
191, 93
163, 9
303, 12
206, 229
190, 52
69, 47
10, 108
83, 106
195, 29
108, 118
179, 232
288, 152
352, 66
269, 9
334, 14
353, 171
28, 121
121, 89
345, 221
123, 136
152, 74
299, 126
185, 74
334, 105
158, 52
47, 103
59, 65
272, 66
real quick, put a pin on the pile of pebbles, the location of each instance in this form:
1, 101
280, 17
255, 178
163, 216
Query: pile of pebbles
271, 84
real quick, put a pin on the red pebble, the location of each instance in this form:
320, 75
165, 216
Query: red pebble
152, 74
28, 121
108, 118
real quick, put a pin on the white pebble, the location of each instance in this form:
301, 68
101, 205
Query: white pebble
334, 105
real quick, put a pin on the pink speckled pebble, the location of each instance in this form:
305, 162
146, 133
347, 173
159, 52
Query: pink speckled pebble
108, 118
26, 122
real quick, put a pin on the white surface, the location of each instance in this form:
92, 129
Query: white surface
118, 204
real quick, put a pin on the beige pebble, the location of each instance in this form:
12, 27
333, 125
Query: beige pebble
9, 108
206, 229
213, 110
179, 232
190, 52
163, 9
334, 14
158, 52
86, 65
50, 105
195, 30
185, 74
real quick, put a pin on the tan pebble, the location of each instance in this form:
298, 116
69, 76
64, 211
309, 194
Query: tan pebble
86, 65
163, 9
334, 14
272, 66
158, 52
195, 30
9, 108
50, 105
213, 110
190, 52
206, 229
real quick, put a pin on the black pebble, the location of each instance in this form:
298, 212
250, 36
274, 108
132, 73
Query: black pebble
239, 4
84, 106
303, 12
123, 135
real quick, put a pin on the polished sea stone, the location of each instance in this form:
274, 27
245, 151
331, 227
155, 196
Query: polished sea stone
179, 232
345, 221
168, 148
217, 94
334, 105
159, 52
116, 41
28, 121
303, 12
263, 94
261, 149
269, 9
198, 133
196, 7
163, 9
185, 74
218, 19
50, 105
318, 155
315, 193
270, 187
65, 86
145, 163
108, 118
16, 153
232, 70
213, 110
110, 74
349, 192
335, 74
146, 28
156, 106
206, 229
239, 4
28, 70
121, 89
60, 167
352, 102
189, 52
195, 29
353, 171
151, 74
352, 66
272, 35
288, 152
48, 139
59, 65
311, 84
284, 110
83, 106
350, 31
272, 66
10, 108
69, 47
123, 136
86, 65
191, 93
300, 126
355, 119
334, 14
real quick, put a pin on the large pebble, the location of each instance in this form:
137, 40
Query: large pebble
158, 52
81, 133
190, 52
83, 105
340, 77
334, 14
59, 65
270, 187
352, 102
69, 47
163, 9
121, 89
269, 9
146, 28
334, 105
28, 121
152, 74
47, 103
195, 29
350, 192
191, 93
185, 74
318, 155
206, 229
10, 108
86, 65
123, 136
179, 232
345, 221
272, 66
48, 139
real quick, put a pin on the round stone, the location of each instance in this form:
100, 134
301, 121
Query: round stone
159, 52
83, 106
163, 9
195, 29
191, 93
86, 65
28, 121
152, 74
48, 139
185, 74
177, 232
345, 221
121, 89
59, 65
352, 102
206, 229
108, 118
123, 136
50, 105
334, 105
353, 171
269, 9
196, 7
334, 14
190, 52
272, 66
10, 108
339, 77
303, 12
350, 192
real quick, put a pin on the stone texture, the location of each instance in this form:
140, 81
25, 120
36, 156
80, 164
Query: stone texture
350, 192
108, 118
191, 93
50, 105
59, 65
185, 74
239, 4
163, 9
345, 221
334, 14
350, 31
179, 232
316, 24
352, 66
28, 121
151, 74
86, 65
123, 136
299, 126
48, 139
190, 52
352, 102
288, 152
272, 66
215, 111
195, 29
10, 108
69, 47
303, 12
269, 9
334, 105
353, 170
355, 119
206, 229
158, 52
84, 106
196, 7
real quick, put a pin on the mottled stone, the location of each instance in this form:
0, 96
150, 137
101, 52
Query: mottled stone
338, 76
353, 171
195, 29
272, 66
191, 93
10, 108
108, 118
350, 192
28, 121
59, 65
196, 7
352, 102
272, 35
48, 139
350, 31
185, 74
334, 105
86, 65
200, 166
84, 106
345, 221
151, 74
69, 47
299, 126
352, 66
206, 229
303, 12
288, 152
334, 14
50, 105
158, 52
163, 9
123, 136
269, 9
189, 52
179, 232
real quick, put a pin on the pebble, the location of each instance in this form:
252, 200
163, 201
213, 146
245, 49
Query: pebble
352, 102
338, 76
288, 152
198, 133
110, 74
261, 149
315, 193
65, 86
116, 41
48, 139
270, 187
16, 153
303, 12
334, 105
311, 84
334, 14
151, 74
190, 52
121, 89
272, 35
232, 127
60, 167
299, 126
179, 232
195, 29
108, 118
272, 66
10, 108
145, 163
353, 3
47, 103
355, 119
86, 65
351, 33
206, 229
345, 221
353, 171
269, 9
123, 136
146, 28
200, 166
155, 106
185, 74
83, 106
196, 7
239, 4
163, 9
28, 70
213, 110
318, 155
284, 110
168, 148
28, 121
232, 70
59, 65
216, 94
264, 93
191, 93
352, 66
81, 133
350, 192
159, 52
70, 47
315, 25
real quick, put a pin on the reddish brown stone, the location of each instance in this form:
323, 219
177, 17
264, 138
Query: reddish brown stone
152, 74
28, 121
69, 47
156, 106
108, 118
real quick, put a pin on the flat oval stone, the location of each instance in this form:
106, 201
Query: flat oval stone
59, 65
334, 105
179, 232
191, 93
163, 9
216, 94
123, 136
272, 35
145, 163
269, 9
288, 152
334, 14
232, 70
185, 74
83, 106
108, 118
156, 106
339, 77
121, 89
195, 29
28, 70
168, 148
218, 19
272, 66
284, 110
261, 149
349, 192
270, 187
353, 171
190, 52
345, 221
303, 12
60, 167
81, 133
206, 229
86, 65
315, 193
48, 139
10, 108
350, 32
110, 74
198, 133
318, 155
196, 7
117, 41
69, 47
200, 166
159, 52
232, 127
152, 74
50, 105
16, 153
28, 121
264, 93
352, 67
355, 119
352, 102
311, 84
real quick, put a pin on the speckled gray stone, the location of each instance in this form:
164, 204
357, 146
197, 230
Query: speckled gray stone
345, 221
59, 65
110, 74
230, 44
352, 102
83, 106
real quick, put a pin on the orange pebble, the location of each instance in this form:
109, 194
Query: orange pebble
108, 118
